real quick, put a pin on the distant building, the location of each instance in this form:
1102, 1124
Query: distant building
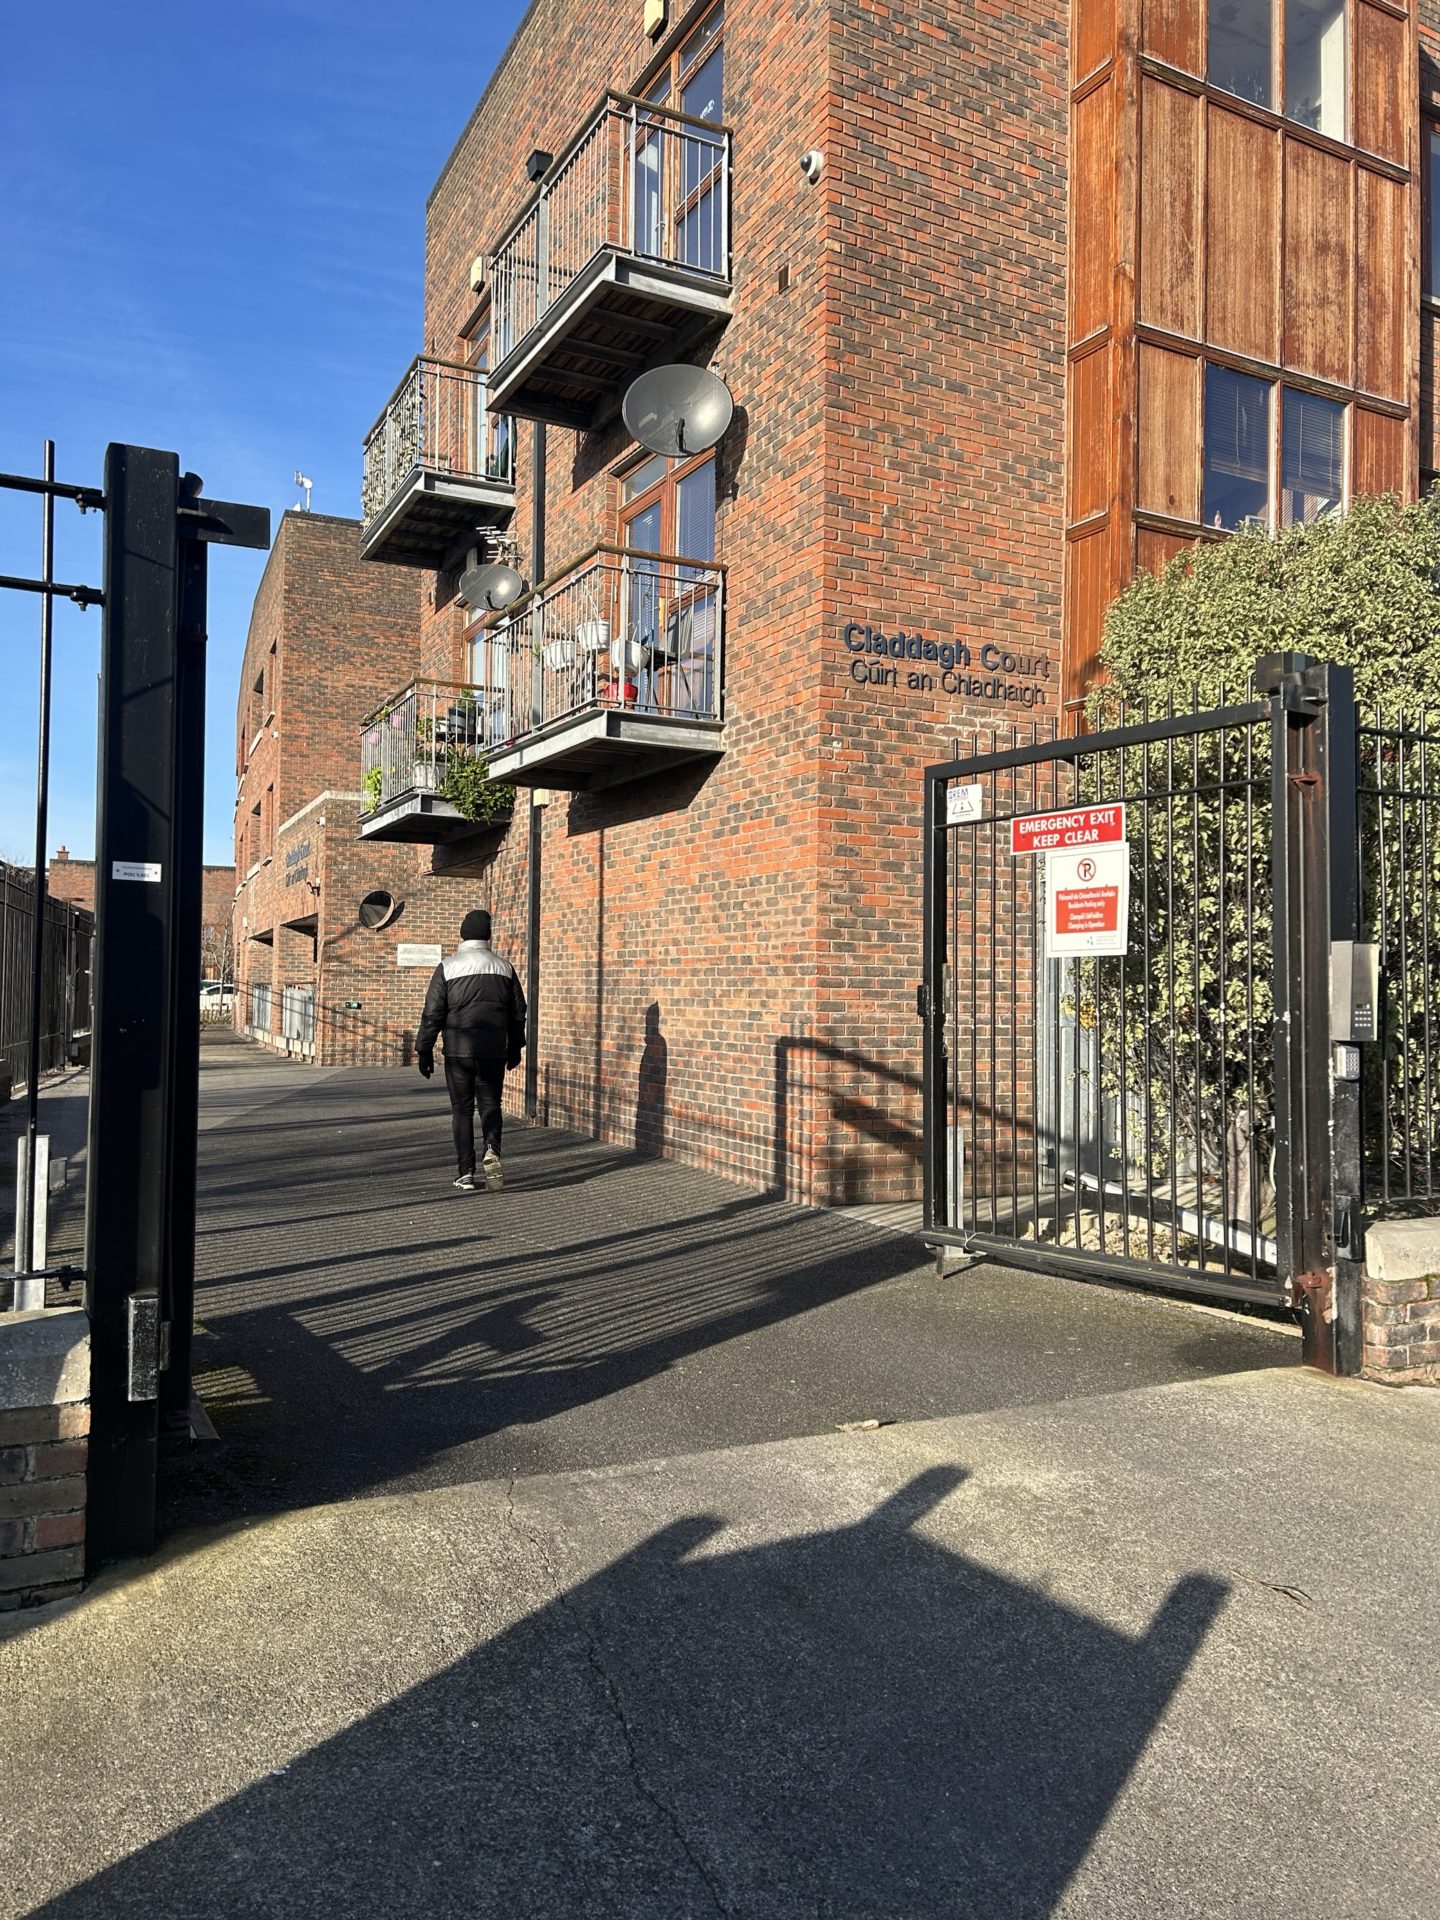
74, 880
331, 934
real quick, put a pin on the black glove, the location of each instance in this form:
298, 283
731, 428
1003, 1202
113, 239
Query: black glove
512, 1059
427, 1065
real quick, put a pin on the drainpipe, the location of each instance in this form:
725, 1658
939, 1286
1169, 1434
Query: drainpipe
537, 807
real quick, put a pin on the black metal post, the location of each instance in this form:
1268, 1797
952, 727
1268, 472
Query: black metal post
127, 1222
27, 1218
935, 1104
1301, 996
187, 860
1341, 752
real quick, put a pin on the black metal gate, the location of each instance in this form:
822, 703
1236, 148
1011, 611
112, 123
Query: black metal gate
1155, 1046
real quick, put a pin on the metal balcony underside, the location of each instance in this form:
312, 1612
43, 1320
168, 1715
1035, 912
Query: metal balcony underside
421, 819
617, 317
602, 747
430, 515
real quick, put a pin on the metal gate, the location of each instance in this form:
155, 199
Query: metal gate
1155, 1046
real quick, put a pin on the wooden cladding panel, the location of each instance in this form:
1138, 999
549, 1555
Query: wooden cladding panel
1087, 594
1318, 263
1382, 289
1381, 90
1092, 36
1174, 31
1168, 480
1379, 459
1169, 208
1154, 551
1091, 434
1092, 200
1242, 243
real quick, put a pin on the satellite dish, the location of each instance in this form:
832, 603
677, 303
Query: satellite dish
493, 587
677, 410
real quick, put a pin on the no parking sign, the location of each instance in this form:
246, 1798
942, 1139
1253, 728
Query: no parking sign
1087, 901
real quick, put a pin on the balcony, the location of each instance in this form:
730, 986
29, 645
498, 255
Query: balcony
421, 770
622, 261
609, 670
439, 464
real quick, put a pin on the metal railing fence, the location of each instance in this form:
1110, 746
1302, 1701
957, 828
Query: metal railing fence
412, 742
641, 179
636, 631
65, 987
1398, 886
437, 421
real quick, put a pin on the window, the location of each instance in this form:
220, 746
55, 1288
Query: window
1237, 448
1312, 464
1432, 210
668, 509
1240, 428
1315, 64
1241, 54
1242, 60
679, 212
491, 453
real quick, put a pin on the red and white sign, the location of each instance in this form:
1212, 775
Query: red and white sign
1079, 827
1087, 901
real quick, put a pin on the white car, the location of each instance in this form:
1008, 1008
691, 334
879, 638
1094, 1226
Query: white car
217, 999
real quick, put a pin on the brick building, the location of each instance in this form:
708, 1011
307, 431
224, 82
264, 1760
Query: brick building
1009, 303
322, 919
74, 880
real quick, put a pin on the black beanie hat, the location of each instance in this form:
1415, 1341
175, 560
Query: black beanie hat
475, 926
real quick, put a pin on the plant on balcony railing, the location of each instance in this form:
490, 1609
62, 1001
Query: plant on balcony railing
467, 785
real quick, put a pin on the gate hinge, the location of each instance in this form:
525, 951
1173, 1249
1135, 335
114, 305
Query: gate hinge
1305, 780
1314, 1292
924, 1001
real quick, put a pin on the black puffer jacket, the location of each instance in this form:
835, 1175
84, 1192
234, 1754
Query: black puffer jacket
475, 1001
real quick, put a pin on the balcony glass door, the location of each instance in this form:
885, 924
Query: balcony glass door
699, 221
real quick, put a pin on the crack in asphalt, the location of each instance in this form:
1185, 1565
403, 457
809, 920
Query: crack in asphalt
616, 1702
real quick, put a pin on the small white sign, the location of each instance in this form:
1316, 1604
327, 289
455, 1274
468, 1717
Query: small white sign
136, 870
411, 953
964, 804
1087, 901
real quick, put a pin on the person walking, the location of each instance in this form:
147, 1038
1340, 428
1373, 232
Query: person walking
475, 1003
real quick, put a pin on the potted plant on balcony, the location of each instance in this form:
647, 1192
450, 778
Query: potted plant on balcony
473, 794
372, 782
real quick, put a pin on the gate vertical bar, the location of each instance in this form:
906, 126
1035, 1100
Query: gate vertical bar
932, 1011
125, 1212
1341, 745
1301, 989
31, 1293
187, 853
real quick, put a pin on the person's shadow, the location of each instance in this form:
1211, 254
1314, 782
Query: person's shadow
650, 1087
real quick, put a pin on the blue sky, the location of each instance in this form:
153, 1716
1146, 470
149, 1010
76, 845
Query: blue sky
212, 229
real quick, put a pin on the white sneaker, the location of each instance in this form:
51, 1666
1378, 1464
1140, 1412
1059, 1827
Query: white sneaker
493, 1171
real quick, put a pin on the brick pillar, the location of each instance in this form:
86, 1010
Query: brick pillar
44, 1430
1401, 1303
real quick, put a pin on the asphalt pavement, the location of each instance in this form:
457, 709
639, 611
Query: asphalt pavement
629, 1545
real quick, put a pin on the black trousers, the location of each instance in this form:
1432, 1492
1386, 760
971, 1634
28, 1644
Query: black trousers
471, 1084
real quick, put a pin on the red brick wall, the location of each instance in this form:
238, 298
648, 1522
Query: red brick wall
74, 880
345, 636
754, 923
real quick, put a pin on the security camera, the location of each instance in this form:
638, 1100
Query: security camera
811, 164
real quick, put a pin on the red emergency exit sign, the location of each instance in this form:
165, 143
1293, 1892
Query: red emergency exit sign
1078, 827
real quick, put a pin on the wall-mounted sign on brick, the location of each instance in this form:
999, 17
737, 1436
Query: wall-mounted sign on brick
411, 953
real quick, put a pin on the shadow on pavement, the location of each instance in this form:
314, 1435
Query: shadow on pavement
857, 1723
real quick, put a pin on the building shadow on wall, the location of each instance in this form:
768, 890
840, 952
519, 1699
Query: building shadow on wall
853, 1722
650, 1087
837, 1178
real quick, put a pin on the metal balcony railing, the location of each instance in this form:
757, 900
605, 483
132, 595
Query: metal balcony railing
411, 743
637, 632
639, 179
436, 421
